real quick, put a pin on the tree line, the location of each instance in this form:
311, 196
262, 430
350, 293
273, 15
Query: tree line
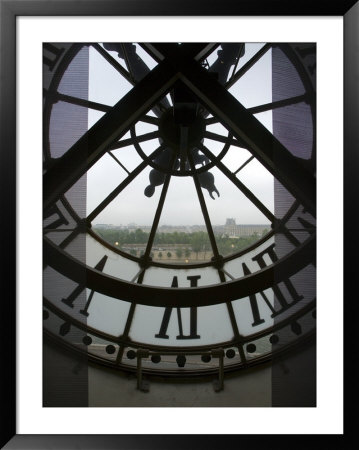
197, 241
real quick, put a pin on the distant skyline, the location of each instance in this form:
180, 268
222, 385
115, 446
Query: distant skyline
134, 224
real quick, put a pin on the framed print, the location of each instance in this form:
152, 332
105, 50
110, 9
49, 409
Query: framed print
178, 258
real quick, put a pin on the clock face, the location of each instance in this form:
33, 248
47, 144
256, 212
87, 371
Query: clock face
179, 202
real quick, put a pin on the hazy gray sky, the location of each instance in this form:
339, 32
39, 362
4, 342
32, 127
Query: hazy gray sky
107, 86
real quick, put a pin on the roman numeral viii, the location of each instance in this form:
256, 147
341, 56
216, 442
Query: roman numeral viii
55, 53
280, 302
69, 301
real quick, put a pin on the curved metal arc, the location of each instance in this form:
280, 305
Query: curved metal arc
181, 297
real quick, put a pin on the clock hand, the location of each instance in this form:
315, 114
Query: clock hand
156, 177
206, 180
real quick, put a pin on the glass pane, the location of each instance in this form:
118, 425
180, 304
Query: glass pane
102, 178
107, 314
250, 49
147, 59
260, 182
116, 265
255, 86
232, 211
182, 234
106, 84
132, 211
128, 157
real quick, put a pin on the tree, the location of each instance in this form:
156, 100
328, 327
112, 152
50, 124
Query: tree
179, 253
169, 255
160, 255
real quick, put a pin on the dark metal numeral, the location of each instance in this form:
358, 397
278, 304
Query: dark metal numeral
69, 301
57, 52
193, 316
281, 301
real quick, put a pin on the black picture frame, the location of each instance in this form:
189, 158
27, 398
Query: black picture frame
9, 10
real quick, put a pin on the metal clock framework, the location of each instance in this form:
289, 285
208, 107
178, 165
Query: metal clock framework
140, 314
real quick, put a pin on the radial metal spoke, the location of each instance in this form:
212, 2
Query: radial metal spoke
150, 119
224, 139
243, 165
116, 65
138, 274
57, 96
264, 210
278, 104
228, 274
211, 120
237, 60
122, 186
124, 51
244, 69
237, 335
126, 331
158, 213
118, 162
202, 202
142, 138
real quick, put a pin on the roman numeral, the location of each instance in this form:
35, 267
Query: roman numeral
69, 301
281, 302
56, 55
57, 222
307, 226
193, 316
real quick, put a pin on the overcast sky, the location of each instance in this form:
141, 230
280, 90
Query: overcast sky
107, 86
